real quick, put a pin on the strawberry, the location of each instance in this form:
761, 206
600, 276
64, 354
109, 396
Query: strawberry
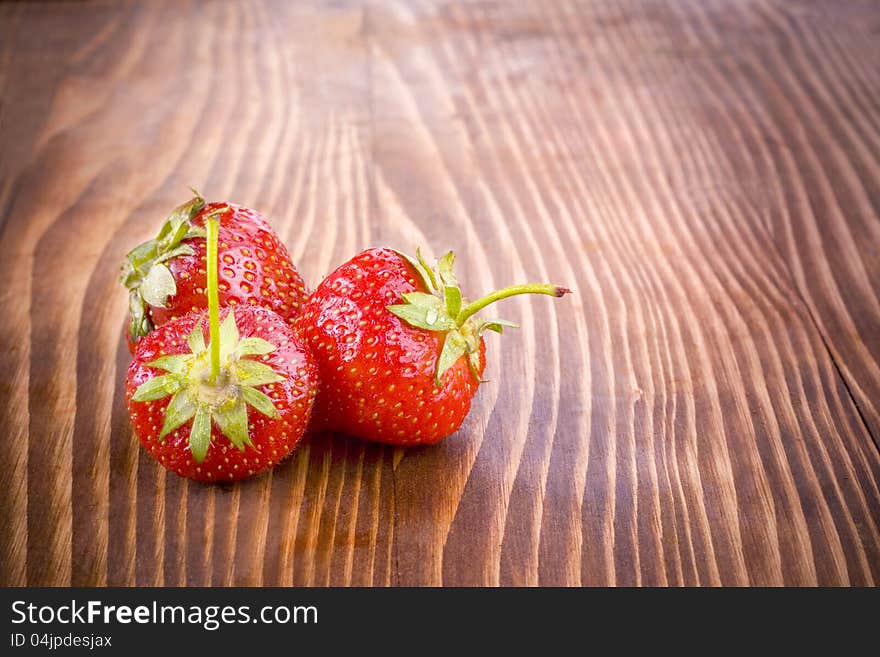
165, 276
399, 351
228, 410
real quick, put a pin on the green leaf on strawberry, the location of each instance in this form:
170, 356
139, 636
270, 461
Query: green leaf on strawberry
147, 279
224, 401
443, 309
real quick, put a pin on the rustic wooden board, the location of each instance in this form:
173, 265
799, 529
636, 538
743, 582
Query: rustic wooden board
706, 175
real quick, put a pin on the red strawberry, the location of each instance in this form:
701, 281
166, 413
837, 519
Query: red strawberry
166, 275
400, 353
228, 410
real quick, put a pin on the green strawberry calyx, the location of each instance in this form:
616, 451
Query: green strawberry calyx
217, 382
198, 396
444, 310
145, 273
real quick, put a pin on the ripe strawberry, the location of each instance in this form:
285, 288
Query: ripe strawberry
228, 410
399, 351
165, 276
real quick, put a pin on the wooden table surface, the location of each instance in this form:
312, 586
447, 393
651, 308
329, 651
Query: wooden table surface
705, 409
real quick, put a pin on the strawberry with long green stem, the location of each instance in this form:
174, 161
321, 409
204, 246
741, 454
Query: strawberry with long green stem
229, 408
400, 351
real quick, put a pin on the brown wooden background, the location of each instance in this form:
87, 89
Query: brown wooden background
706, 174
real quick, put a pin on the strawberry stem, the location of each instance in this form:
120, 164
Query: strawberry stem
212, 224
529, 288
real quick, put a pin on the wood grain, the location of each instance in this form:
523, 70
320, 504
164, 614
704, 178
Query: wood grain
705, 410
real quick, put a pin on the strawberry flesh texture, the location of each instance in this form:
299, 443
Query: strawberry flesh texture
376, 371
255, 269
273, 439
